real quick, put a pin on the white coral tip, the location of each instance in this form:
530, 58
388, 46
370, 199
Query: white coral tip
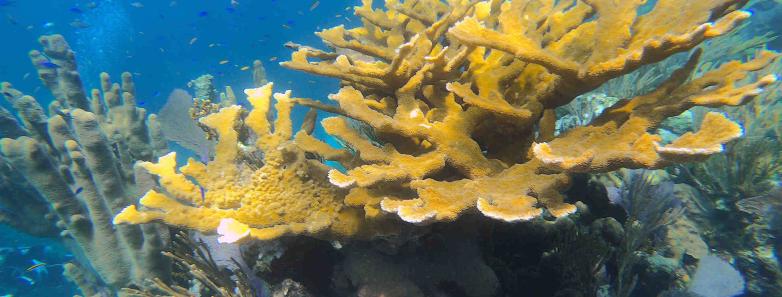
339, 179
231, 230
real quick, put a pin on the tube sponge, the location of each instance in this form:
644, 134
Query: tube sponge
79, 162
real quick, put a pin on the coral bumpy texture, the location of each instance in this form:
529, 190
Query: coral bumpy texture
460, 98
79, 161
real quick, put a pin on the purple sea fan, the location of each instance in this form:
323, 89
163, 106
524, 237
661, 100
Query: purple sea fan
180, 128
642, 197
716, 278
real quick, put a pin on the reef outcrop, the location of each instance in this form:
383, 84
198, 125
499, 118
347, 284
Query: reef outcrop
448, 107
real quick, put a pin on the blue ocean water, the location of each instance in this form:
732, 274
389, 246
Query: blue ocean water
165, 44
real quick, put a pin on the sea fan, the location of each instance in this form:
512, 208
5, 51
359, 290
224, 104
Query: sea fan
716, 278
180, 128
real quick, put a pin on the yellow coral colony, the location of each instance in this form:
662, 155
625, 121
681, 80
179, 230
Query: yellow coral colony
448, 106
287, 194
461, 95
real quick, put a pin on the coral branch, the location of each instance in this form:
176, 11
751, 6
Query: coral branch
440, 109
287, 194
619, 138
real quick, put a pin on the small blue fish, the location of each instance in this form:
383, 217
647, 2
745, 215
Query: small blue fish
64, 115
27, 280
7, 2
75, 9
230, 9
203, 193
203, 156
49, 64
203, 13
78, 24
11, 20
79, 190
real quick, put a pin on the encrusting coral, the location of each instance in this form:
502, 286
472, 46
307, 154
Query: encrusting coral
79, 162
459, 98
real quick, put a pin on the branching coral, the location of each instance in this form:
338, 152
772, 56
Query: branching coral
80, 162
755, 161
619, 138
459, 97
285, 194
586, 43
468, 141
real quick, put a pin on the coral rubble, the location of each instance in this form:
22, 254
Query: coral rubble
449, 107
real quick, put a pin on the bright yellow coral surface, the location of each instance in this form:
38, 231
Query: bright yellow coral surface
285, 195
448, 107
461, 98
